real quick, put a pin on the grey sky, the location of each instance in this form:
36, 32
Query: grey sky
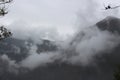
60, 14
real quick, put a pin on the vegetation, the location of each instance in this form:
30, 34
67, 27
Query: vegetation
4, 33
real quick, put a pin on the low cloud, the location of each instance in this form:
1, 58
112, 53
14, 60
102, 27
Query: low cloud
34, 59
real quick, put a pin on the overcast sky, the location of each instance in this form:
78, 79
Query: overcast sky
60, 14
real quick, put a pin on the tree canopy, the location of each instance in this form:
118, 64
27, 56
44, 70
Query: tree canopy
4, 32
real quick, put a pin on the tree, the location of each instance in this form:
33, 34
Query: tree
4, 32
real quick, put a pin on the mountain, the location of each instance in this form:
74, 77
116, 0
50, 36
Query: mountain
47, 46
14, 48
18, 50
110, 23
102, 69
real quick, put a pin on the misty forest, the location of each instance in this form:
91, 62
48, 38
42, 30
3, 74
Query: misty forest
59, 40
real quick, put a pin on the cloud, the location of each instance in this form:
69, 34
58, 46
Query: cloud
23, 30
9, 65
90, 42
51, 16
79, 50
35, 60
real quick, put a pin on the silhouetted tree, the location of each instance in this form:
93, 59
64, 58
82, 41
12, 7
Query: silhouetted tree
4, 33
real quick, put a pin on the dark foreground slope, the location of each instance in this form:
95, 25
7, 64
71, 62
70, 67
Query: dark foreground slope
102, 70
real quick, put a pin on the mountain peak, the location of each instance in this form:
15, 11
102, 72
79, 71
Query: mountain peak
110, 23
110, 18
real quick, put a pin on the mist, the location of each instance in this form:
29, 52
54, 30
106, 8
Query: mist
75, 33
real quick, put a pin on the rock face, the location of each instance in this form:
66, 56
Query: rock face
102, 70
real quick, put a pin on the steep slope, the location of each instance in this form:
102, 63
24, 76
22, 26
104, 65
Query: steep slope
110, 23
